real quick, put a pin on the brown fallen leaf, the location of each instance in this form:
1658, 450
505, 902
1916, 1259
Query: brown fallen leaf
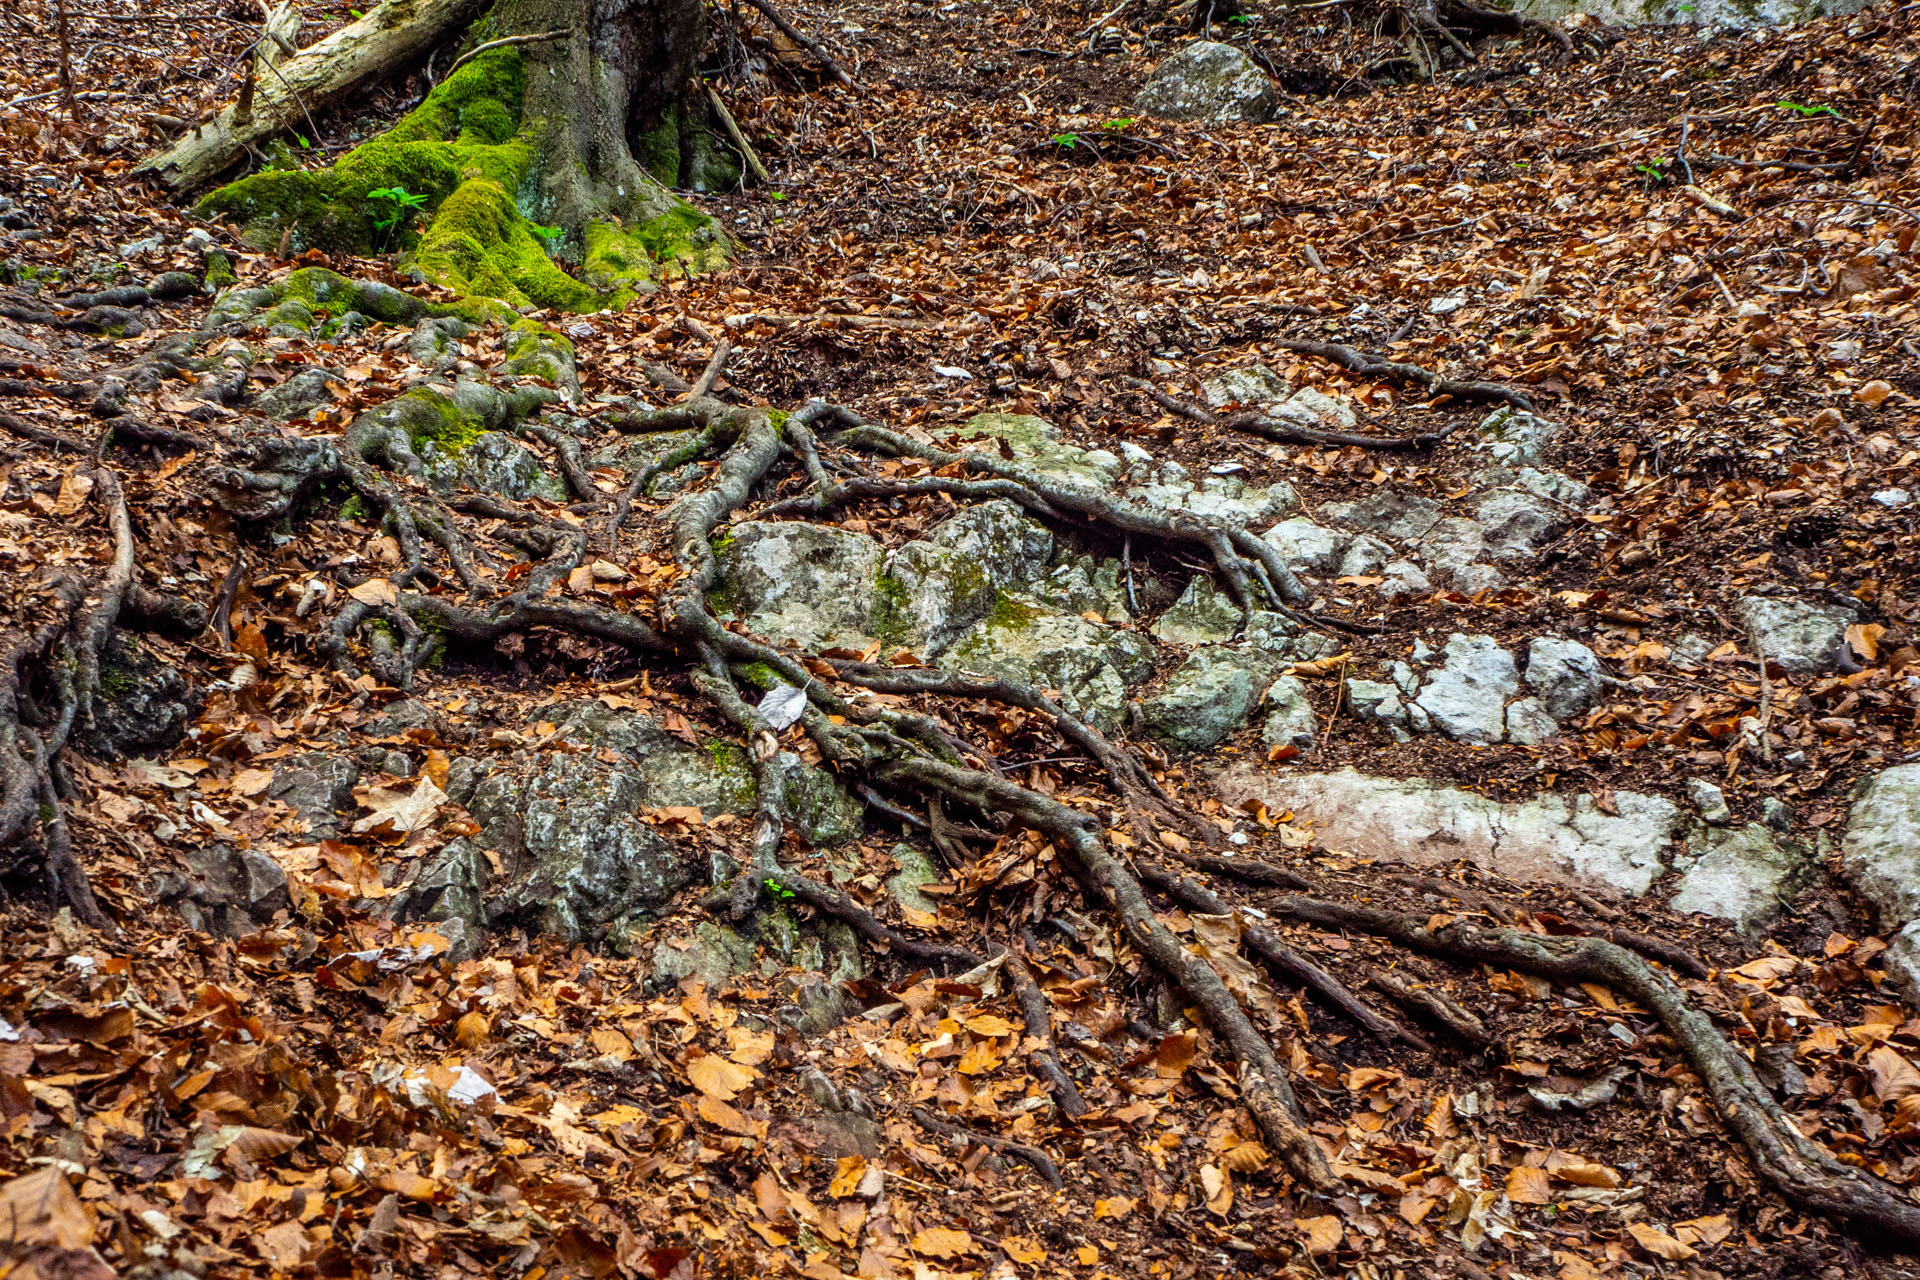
718, 1078
1659, 1243
1529, 1186
943, 1242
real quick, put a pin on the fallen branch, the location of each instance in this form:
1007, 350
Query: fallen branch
805, 41
1372, 366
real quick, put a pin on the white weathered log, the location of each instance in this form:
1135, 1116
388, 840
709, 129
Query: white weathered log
391, 33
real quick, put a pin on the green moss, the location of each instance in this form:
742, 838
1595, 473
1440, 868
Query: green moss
1009, 614
891, 621
219, 270
683, 240
658, 149
760, 675
777, 419
478, 244
465, 128
117, 681
432, 418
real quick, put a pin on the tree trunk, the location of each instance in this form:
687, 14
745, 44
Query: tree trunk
392, 34
517, 177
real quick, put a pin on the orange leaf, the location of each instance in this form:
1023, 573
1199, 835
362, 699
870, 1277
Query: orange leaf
1324, 1233
941, 1242
718, 1078
1659, 1243
1528, 1186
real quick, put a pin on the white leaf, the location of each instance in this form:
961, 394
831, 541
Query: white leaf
406, 811
949, 371
782, 707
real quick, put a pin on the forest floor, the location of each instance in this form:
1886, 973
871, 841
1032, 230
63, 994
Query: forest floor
984, 222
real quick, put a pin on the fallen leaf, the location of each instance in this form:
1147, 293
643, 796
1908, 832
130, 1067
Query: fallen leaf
402, 812
1659, 1243
943, 1242
718, 1078
1528, 1186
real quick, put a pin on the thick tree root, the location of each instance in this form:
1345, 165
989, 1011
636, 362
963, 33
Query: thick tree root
1372, 366
1038, 1016
1801, 1170
1434, 1006
66, 655
1034, 1157
1269, 428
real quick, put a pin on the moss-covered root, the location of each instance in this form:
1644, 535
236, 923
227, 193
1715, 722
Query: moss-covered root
472, 169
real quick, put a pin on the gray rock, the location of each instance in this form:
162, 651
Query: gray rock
1090, 665
915, 869
1452, 544
1208, 697
1214, 83
1364, 556
1313, 408
802, 581
1528, 722
1377, 702
1306, 547
1880, 851
951, 578
1227, 498
1202, 615
1255, 386
1736, 14
1466, 698
1515, 437
318, 787
1565, 675
143, 704
1744, 875
1403, 578
1290, 717
1392, 513
580, 866
493, 463
451, 885
1689, 652
223, 891
1517, 524
1550, 837
1472, 579
1710, 801
1404, 678
1038, 443
1801, 636
1083, 585
1777, 814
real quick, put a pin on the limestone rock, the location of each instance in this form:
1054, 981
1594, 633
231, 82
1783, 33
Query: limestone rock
1550, 837
1306, 547
143, 705
1091, 665
1254, 386
950, 579
1379, 703
915, 869
1403, 578
1202, 615
1290, 717
806, 582
1210, 696
1565, 675
224, 891
1517, 524
1392, 513
1801, 636
1528, 722
1515, 437
1710, 801
318, 787
1880, 852
1452, 544
1466, 698
1743, 874
1210, 82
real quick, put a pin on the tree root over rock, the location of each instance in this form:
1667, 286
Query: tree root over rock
852, 713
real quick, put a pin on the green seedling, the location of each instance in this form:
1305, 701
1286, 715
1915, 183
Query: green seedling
401, 204
1801, 109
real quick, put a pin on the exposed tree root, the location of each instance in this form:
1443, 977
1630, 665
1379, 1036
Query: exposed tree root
48, 678
1372, 366
1270, 428
1039, 1160
905, 763
1805, 1173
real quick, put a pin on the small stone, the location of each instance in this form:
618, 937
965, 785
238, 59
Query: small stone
1467, 697
1202, 615
1565, 675
1446, 306
1306, 547
1710, 801
1740, 875
1803, 637
1893, 498
1208, 697
1404, 677
1372, 700
1528, 722
1403, 578
1471, 580
1210, 82
1422, 652
1777, 814
1255, 386
1291, 721
1365, 556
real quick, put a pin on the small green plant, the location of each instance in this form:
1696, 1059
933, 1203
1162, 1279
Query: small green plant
1241, 20
301, 138
1654, 171
779, 195
1067, 140
1119, 124
545, 233
1801, 109
776, 889
399, 205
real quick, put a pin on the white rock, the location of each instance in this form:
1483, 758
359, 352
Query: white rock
1551, 837
1710, 801
1741, 875
1307, 547
1528, 722
1801, 636
1565, 675
1467, 697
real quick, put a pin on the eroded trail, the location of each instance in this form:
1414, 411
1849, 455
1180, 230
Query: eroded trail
1327, 695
